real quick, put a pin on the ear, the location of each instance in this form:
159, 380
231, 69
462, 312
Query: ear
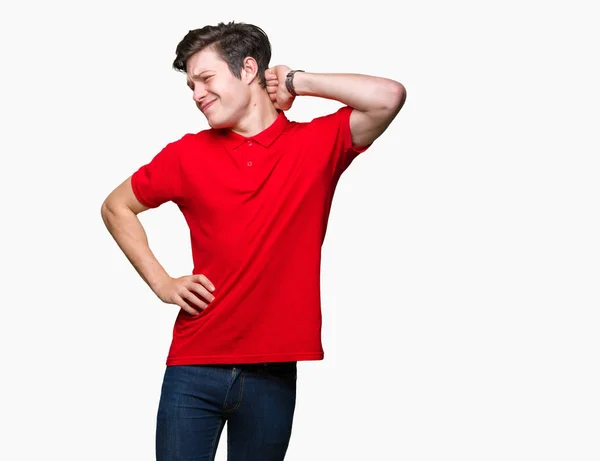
249, 70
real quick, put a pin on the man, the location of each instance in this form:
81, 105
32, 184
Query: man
256, 191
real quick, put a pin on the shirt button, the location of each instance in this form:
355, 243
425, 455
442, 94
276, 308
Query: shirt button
249, 143
249, 163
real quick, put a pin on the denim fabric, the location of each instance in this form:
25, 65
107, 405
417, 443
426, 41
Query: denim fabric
256, 400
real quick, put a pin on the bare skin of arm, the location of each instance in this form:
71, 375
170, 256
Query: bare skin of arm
376, 100
119, 212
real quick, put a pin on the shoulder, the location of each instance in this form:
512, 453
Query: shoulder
330, 126
191, 142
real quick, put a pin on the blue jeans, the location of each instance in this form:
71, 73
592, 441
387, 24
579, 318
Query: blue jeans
256, 400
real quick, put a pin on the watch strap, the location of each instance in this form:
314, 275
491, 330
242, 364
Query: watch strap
289, 81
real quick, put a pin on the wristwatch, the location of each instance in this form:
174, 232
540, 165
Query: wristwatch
289, 81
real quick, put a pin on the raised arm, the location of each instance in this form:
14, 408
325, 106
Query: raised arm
376, 100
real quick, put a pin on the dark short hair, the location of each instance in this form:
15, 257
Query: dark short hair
233, 42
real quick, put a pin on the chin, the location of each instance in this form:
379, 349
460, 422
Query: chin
216, 125
219, 124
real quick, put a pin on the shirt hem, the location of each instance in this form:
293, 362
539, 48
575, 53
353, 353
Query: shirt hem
240, 359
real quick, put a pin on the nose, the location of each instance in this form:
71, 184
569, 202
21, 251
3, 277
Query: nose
199, 93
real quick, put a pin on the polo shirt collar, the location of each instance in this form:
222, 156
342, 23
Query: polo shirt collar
266, 137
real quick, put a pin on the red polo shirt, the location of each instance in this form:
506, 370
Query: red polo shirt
257, 209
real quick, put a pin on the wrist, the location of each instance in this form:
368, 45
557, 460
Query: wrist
290, 81
158, 281
300, 82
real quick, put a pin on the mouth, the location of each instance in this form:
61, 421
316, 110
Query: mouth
207, 105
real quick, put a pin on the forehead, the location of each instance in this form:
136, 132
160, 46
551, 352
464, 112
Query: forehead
203, 60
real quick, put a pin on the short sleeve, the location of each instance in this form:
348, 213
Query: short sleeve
334, 131
160, 180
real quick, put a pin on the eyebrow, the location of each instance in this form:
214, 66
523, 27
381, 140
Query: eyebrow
195, 77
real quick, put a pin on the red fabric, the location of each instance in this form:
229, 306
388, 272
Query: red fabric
257, 209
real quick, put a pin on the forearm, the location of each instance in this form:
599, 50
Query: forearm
362, 92
127, 230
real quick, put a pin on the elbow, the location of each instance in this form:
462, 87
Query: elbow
397, 96
105, 211
116, 208
111, 209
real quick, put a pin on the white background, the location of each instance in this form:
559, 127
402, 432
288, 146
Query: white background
461, 267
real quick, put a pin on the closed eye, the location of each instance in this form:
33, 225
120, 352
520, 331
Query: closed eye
204, 79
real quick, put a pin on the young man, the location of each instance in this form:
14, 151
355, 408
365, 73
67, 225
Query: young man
256, 191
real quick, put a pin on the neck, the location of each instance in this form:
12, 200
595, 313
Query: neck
260, 114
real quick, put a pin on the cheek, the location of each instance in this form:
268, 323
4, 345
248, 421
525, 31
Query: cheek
234, 96
221, 90
232, 93
241, 94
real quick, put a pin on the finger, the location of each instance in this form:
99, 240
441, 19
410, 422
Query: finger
204, 281
192, 300
184, 305
200, 290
